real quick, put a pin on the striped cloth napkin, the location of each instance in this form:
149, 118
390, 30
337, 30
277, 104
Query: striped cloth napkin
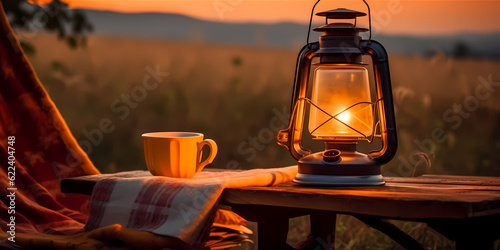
180, 208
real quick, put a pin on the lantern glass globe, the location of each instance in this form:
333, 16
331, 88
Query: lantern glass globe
343, 91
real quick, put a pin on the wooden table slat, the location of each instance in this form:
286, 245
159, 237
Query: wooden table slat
409, 198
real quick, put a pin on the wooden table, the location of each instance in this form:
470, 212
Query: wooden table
465, 209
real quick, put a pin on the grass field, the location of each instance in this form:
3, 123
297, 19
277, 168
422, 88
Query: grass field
231, 94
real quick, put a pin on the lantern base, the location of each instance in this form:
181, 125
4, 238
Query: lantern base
335, 180
339, 168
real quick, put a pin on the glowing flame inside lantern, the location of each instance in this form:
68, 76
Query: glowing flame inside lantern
344, 117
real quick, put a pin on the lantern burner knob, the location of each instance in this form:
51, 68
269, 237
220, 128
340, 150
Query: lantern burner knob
331, 156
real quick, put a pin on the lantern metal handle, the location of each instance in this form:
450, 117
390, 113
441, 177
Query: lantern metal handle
312, 14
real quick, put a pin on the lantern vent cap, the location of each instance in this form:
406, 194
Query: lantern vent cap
341, 13
339, 27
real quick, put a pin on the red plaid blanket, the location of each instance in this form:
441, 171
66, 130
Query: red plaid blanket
36, 150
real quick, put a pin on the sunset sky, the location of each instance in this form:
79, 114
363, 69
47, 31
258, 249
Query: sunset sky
392, 17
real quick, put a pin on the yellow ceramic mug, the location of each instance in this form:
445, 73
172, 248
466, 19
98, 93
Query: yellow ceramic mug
176, 154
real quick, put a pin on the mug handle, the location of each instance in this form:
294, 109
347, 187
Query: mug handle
213, 152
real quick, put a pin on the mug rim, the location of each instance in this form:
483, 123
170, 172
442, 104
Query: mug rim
171, 135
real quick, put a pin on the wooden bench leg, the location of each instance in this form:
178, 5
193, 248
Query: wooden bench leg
322, 234
272, 235
323, 226
272, 223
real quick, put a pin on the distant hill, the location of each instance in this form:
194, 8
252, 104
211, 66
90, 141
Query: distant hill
183, 28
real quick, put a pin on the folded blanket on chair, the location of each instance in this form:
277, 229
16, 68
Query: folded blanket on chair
173, 207
41, 148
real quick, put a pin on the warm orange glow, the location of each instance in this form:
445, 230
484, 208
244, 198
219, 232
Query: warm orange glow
344, 117
335, 90
394, 16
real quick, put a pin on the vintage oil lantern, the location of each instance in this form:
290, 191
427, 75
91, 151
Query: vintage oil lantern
341, 109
